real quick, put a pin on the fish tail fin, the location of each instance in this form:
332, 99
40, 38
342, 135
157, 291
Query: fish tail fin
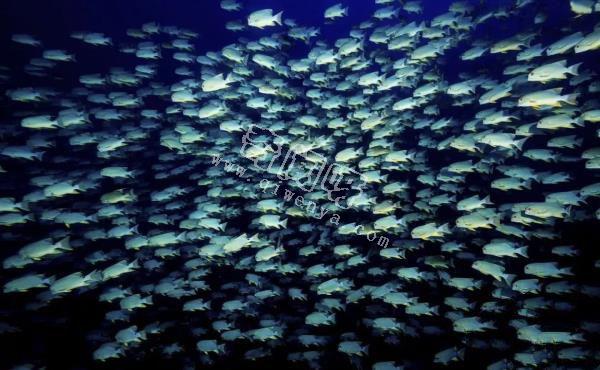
365, 348
460, 354
523, 251
574, 69
284, 223
520, 143
277, 18
50, 280
64, 244
182, 236
483, 168
572, 99
254, 238
445, 228
497, 220
444, 275
509, 278
578, 337
567, 271
94, 276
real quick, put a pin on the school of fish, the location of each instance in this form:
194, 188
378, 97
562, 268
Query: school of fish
259, 200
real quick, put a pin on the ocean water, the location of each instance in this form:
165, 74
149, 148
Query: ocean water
183, 166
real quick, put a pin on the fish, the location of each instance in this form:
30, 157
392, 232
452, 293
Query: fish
547, 98
591, 41
336, 11
264, 18
553, 71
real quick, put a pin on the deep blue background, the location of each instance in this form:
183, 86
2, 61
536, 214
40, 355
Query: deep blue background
53, 21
